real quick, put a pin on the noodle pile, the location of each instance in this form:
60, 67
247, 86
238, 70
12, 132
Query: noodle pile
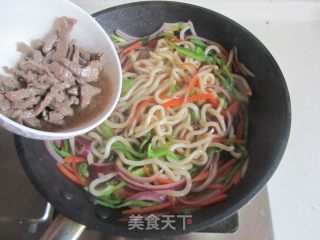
179, 131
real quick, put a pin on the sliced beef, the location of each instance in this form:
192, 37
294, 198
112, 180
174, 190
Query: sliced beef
37, 44
61, 73
74, 100
71, 49
73, 91
49, 41
62, 107
50, 80
48, 58
8, 84
64, 28
86, 93
15, 113
32, 122
43, 82
23, 93
17, 73
75, 57
25, 115
45, 103
55, 118
5, 105
85, 55
89, 73
30, 65
27, 103
29, 52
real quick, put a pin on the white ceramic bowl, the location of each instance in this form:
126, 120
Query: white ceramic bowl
28, 20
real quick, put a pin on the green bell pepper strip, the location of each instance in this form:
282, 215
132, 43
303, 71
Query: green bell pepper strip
233, 92
199, 43
116, 38
111, 188
106, 131
145, 39
168, 35
126, 85
231, 174
229, 140
237, 95
123, 148
57, 150
162, 151
176, 26
224, 82
194, 117
83, 170
171, 90
199, 50
212, 150
131, 203
228, 75
66, 145
200, 56
243, 150
194, 170
146, 140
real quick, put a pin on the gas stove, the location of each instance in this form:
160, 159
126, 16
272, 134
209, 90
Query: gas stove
25, 215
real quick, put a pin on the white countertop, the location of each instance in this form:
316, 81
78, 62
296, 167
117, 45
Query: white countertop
291, 31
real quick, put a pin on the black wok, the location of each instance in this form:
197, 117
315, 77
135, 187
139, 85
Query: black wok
269, 112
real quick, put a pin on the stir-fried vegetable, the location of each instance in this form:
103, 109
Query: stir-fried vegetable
192, 97
126, 85
106, 131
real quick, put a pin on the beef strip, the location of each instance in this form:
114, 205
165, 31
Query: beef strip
75, 57
25, 115
85, 55
20, 94
55, 118
86, 93
28, 51
73, 91
27, 103
45, 103
62, 107
43, 82
62, 74
8, 84
4, 105
49, 41
71, 49
89, 73
37, 44
48, 58
74, 100
32, 122
64, 28
17, 73
96, 56
30, 65
82, 62
15, 113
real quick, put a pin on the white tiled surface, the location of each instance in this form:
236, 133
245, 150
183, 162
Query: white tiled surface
291, 31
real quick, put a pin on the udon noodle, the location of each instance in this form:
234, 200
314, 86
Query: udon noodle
178, 133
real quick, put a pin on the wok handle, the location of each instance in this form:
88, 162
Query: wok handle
63, 228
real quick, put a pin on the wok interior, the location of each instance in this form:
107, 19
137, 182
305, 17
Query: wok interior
269, 116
